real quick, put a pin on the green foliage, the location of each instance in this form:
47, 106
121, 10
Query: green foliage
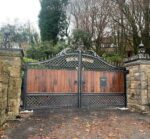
19, 33
113, 57
29, 60
83, 36
44, 50
52, 19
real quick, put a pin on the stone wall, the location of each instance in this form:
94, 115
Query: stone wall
138, 82
10, 83
4, 77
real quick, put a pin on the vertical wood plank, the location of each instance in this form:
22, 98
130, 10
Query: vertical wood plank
63, 81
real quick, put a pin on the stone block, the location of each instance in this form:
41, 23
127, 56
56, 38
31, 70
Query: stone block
132, 78
144, 85
143, 76
145, 68
4, 79
2, 117
17, 61
144, 97
14, 106
135, 84
138, 92
131, 72
15, 72
137, 76
14, 84
134, 69
14, 88
137, 107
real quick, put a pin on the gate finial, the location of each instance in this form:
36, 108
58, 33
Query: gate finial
141, 48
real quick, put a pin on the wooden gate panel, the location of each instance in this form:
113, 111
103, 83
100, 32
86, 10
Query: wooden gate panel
91, 82
64, 83
51, 81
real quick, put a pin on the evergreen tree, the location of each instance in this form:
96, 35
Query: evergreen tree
52, 19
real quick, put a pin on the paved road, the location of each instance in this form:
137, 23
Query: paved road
80, 124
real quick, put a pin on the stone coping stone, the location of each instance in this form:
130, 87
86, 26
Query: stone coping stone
11, 52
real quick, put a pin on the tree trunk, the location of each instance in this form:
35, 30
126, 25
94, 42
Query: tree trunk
146, 31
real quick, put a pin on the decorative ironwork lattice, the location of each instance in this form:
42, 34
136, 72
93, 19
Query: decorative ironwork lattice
103, 100
37, 101
69, 60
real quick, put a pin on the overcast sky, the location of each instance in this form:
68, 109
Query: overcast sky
23, 10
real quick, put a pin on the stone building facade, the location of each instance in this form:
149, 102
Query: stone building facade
10, 82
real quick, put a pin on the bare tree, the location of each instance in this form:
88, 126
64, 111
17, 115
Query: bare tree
126, 21
136, 21
92, 16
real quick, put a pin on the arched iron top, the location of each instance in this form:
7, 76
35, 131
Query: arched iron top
69, 59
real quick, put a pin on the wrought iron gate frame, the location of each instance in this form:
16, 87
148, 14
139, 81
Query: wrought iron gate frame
79, 54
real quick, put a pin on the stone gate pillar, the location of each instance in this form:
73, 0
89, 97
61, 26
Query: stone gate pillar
12, 59
4, 77
138, 80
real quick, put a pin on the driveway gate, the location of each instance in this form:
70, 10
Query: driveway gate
74, 79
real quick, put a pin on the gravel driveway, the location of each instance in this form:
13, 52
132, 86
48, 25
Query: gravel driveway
79, 124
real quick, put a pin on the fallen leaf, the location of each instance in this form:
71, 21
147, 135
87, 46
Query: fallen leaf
4, 137
141, 131
87, 130
111, 135
76, 118
88, 125
41, 129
